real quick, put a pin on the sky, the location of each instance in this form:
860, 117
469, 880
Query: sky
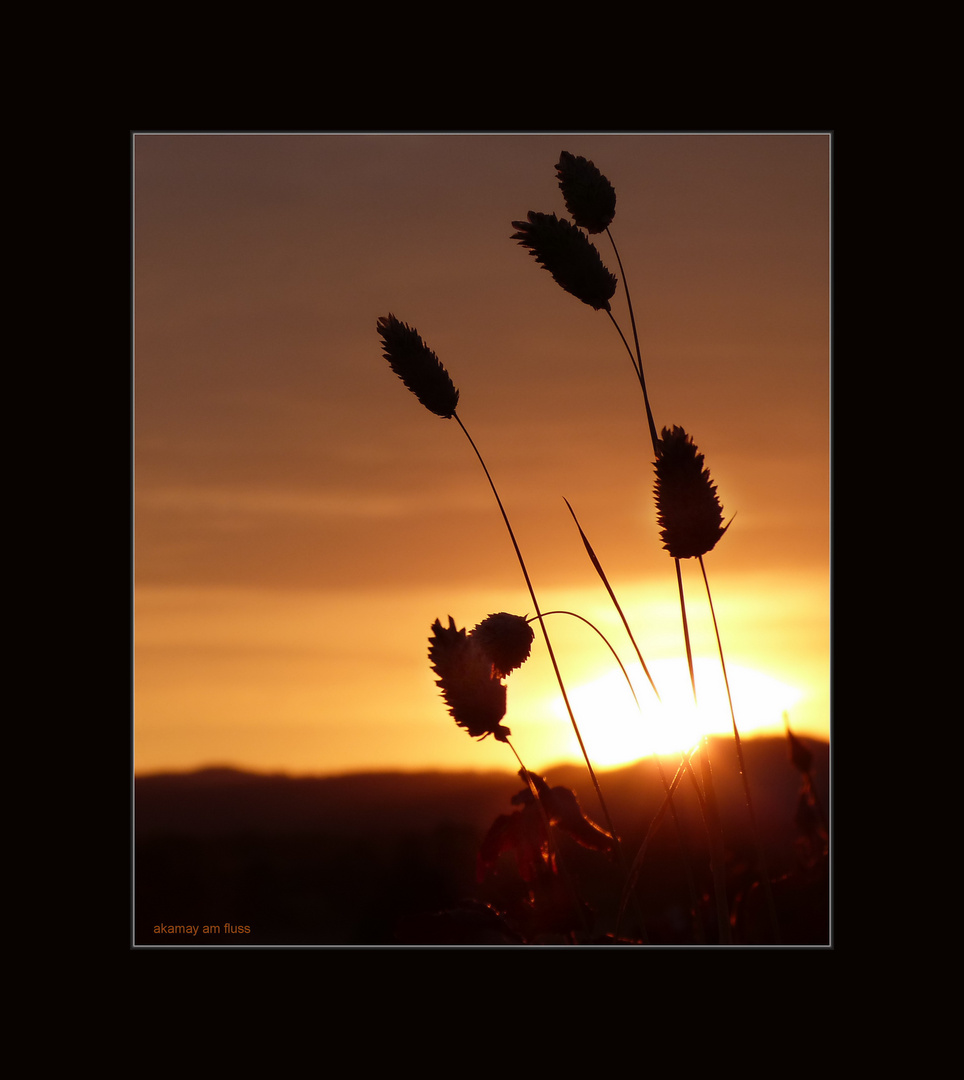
300, 520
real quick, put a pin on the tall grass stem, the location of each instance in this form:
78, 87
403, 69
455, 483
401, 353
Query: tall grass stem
638, 362
714, 827
764, 872
545, 634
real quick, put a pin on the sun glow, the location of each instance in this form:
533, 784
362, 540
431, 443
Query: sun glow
615, 731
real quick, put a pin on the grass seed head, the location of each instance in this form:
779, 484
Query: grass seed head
474, 695
506, 639
566, 252
589, 196
418, 367
688, 509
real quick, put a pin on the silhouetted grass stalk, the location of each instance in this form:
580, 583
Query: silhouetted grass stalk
714, 824
426, 377
711, 799
667, 804
597, 565
564, 250
638, 360
545, 633
689, 515
709, 803
711, 817
761, 855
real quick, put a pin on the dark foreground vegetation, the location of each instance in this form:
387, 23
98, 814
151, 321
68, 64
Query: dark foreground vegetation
390, 859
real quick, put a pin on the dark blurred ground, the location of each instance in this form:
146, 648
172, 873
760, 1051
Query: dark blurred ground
375, 860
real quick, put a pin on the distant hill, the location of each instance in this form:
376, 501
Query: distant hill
342, 860
220, 801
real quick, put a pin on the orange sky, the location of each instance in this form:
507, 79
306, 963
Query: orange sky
300, 520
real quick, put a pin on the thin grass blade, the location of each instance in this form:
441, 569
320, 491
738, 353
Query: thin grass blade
602, 577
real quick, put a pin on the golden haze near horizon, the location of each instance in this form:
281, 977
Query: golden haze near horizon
301, 521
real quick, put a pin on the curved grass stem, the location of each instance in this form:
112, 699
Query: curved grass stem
622, 666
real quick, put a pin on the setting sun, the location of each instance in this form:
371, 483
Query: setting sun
616, 731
